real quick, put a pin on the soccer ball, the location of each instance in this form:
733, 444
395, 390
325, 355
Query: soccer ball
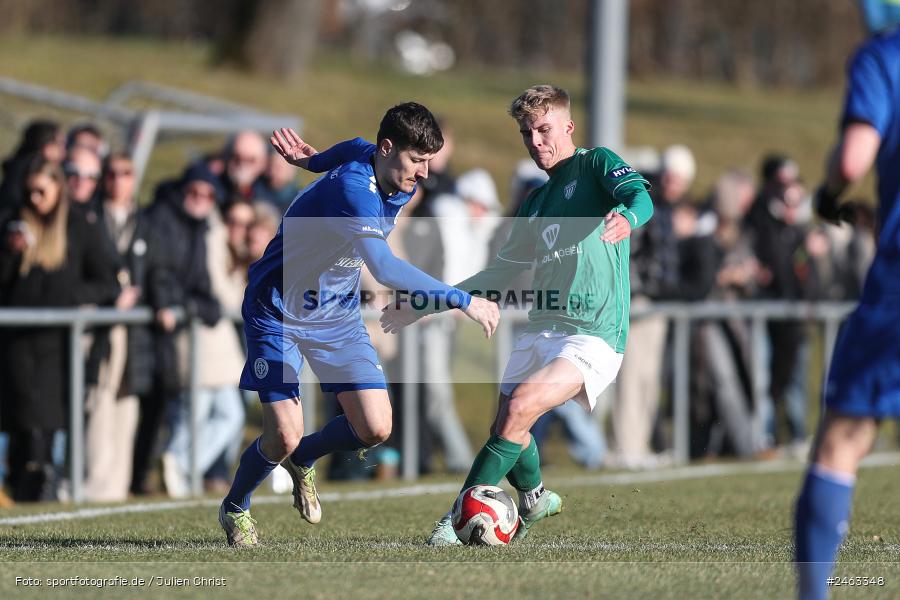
485, 515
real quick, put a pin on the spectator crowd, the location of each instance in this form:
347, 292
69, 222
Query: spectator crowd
74, 234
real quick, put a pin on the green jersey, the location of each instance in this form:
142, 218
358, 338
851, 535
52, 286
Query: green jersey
581, 283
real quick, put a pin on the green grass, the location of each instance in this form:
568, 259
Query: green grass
718, 537
339, 98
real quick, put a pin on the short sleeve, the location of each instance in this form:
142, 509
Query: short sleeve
868, 92
339, 154
613, 173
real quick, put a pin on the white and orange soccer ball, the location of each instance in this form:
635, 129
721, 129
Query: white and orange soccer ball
485, 515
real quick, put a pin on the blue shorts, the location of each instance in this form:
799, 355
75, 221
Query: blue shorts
342, 358
864, 378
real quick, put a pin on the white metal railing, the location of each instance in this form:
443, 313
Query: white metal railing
141, 128
680, 315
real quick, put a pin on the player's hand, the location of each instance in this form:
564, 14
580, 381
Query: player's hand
617, 228
394, 318
827, 207
291, 147
485, 313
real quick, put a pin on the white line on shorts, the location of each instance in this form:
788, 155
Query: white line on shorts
888, 459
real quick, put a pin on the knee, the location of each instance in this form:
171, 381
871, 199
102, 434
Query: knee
276, 447
521, 404
839, 455
519, 414
375, 433
290, 440
841, 448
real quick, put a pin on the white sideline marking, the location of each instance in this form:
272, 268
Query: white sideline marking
887, 459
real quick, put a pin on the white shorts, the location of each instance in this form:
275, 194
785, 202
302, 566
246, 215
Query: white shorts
595, 359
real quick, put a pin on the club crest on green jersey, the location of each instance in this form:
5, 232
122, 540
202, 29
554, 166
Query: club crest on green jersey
570, 189
550, 234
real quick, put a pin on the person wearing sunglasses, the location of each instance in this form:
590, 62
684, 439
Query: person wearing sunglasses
82, 168
121, 358
49, 258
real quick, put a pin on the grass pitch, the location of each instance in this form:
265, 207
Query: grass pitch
717, 531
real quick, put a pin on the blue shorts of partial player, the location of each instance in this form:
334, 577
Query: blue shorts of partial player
342, 358
864, 376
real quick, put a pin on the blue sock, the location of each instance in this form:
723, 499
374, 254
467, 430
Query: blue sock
821, 521
335, 436
252, 470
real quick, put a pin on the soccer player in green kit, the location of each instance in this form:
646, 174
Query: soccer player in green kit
576, 229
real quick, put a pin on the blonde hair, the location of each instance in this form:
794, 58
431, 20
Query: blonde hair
538, 100
48, 249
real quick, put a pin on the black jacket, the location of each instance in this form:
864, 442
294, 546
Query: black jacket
34, 361
654, 256
698, 260
12, 185
177, 277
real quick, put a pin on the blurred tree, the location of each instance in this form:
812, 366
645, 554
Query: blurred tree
276, 37
762, 42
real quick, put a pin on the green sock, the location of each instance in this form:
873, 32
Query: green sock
526, 473
493, 461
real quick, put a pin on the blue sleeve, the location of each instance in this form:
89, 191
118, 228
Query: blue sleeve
398, 274
340, 153
868, 91
354, 205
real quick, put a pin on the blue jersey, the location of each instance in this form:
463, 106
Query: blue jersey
864, 377
873, 97
309, 276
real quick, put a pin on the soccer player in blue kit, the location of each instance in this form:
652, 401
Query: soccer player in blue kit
863, 384
302, 302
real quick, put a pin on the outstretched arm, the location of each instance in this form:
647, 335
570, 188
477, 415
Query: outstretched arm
398, 274
495, 277
292, 148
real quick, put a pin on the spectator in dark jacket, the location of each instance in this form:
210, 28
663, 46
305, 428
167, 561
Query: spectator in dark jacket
721, 388
82, 168
781, 215
48, 259
697, 255
179, 278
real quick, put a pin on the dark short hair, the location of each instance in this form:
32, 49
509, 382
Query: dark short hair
77, 130
411, 125
772, 163
37, 134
